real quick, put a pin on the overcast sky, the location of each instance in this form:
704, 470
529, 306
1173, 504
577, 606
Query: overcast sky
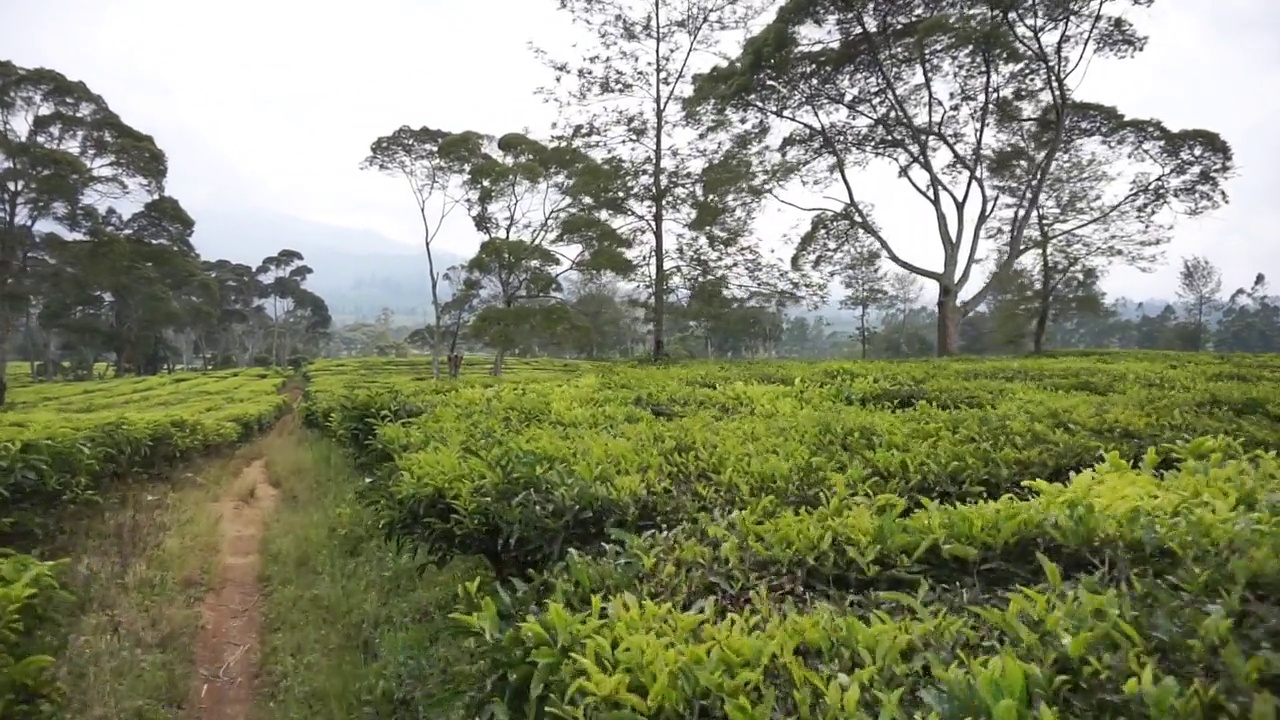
272, 104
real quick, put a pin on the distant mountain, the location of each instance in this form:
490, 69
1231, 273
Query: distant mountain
358, 272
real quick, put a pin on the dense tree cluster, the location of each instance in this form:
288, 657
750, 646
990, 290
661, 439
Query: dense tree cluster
97, 262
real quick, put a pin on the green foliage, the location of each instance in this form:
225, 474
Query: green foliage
1017, 162
541, 211
83, 280
62, 442
1091, 536
1250, 320
30, 598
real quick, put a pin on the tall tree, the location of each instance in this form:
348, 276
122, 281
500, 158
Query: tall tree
946, 94
623, 99
1076, 304
534, 204
1096, 213
124, 286
281, 276
601, 323
237, 289
861, 273
414, 155
1200, 290
1250, 321
1002, 324
62, 148
903, 291
459, 308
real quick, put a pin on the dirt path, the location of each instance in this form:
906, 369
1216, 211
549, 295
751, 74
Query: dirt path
227, 645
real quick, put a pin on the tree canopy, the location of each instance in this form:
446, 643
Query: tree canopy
97, 262
973, 104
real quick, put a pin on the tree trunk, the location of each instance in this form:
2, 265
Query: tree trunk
435, 311
50, 359
1046, 297
1200, 325
29, 335
6, 332
862, 330
659, 267
948, 321
275, 331
1042, 325
497, 363
455, 331
4, 365
435, 353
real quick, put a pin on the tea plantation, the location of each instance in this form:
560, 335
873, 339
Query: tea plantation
1093, 536
61, 444
62, 441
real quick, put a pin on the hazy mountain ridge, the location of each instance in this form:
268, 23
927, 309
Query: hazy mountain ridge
358, 272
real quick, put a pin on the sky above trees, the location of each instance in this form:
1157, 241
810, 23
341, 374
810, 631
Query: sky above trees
273, 105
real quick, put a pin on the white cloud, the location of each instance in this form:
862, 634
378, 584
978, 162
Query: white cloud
273, 104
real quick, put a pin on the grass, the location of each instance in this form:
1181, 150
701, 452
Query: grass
351, 630
139, 567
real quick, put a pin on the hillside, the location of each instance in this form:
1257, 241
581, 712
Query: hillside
358, 272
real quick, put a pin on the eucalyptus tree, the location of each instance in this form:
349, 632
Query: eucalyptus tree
1118, 186
688, 201
1200, 290
1250, 320
297, 314
862, 273
536, 206
236, 300
414, 156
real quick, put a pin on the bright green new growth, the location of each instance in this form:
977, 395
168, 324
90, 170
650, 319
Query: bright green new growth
1053, 538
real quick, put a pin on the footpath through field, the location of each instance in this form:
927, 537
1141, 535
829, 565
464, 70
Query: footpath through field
228, 650
228, 646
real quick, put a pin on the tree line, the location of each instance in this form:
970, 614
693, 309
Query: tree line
883, 318
673, 135
97, 262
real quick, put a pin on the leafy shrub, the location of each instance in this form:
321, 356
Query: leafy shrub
1087, 536
29, 601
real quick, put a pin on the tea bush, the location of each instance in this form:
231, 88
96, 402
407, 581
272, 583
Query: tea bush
63, 442
1083, 536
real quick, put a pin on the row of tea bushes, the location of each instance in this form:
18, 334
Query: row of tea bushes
56, 454
1052, 538
519, 473
61, 443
